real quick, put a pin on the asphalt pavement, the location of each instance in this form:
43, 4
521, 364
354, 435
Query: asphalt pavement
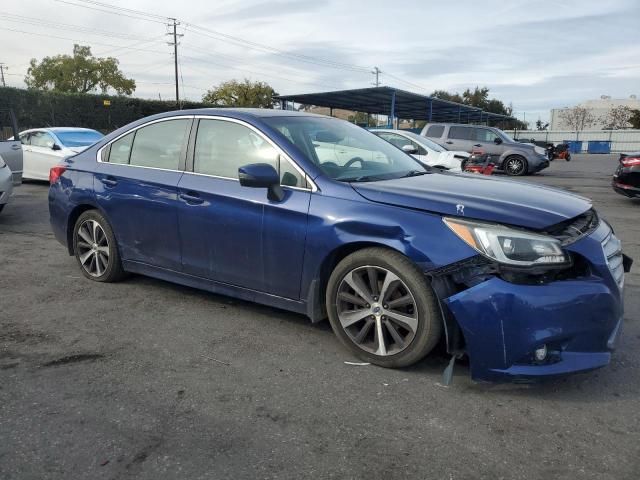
146, 379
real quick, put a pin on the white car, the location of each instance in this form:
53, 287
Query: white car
424, 150
44, 148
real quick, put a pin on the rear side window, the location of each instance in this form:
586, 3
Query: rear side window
121, 149
160, 145
460, 133
435, 131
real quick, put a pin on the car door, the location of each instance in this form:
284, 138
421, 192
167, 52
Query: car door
136, 186
40, 155
460, 137
401, 141
234, 234
486, 140
10, 146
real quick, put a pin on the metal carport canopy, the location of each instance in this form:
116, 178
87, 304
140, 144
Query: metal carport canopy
395, 103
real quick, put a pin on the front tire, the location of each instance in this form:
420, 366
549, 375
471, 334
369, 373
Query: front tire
515, 166
95, 248
382, 308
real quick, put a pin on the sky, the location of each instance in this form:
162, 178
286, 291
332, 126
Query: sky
536, 55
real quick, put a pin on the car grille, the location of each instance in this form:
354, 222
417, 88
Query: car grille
571, 230
613, 252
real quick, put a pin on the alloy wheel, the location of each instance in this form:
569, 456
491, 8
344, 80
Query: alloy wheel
377, 310
515, 166
93, 248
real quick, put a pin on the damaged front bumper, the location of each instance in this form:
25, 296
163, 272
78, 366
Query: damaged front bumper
575, 320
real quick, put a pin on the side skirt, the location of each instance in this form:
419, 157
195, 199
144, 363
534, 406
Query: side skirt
215, 287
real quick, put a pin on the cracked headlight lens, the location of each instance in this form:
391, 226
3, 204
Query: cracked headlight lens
509, 245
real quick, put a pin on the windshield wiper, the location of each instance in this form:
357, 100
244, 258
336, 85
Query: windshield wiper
415, 173
361, 178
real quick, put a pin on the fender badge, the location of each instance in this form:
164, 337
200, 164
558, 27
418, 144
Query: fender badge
460, 209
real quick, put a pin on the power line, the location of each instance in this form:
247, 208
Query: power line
120, 13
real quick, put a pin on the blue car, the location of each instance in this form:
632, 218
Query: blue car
318, 216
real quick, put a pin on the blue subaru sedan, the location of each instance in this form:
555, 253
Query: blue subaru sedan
318, 216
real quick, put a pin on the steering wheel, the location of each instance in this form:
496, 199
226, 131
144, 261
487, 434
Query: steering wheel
354, 160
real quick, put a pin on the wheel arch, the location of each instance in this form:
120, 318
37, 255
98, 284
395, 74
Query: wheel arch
315, 296
73, 218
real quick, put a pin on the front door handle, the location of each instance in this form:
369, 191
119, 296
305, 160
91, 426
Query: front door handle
16, 147
477, 145
449, 142
109, 182
192, 198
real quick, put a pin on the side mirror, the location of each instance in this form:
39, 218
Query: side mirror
262, 175
497, 140
56, 147
410, 149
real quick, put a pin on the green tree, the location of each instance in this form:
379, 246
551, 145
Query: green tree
635, 119
78, 73
444, 95
241, 94
540, 126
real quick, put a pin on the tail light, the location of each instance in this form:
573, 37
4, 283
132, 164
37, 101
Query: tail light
630, 161
55, 173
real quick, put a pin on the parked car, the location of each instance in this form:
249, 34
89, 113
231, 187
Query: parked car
515, 158
526, 280
6, 183
46, 147
424, 150
10, 149
626, 179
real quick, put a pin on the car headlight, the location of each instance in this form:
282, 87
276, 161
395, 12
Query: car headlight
508, 245
539, 150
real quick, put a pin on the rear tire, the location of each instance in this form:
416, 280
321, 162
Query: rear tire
392, 301
95, 248
516, 166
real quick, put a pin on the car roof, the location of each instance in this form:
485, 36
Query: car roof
59, 130
444, 124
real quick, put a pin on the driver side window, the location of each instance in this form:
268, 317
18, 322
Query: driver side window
41, 139
485, 135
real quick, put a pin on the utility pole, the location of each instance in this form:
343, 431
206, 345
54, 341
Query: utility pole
174, 23
376, 71
2, 69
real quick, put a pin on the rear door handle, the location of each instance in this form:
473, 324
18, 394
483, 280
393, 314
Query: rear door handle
16, 147
191, 198
477, 145
109, 182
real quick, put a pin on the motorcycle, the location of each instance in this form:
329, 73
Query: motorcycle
560, 151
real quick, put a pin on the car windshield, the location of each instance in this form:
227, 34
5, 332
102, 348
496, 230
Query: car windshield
345, 152
78, 138
426, 142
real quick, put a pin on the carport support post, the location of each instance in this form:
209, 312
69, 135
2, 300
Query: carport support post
393, 109
430, 110
331, 111
459, 113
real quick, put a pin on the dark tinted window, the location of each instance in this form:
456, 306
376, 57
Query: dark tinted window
460, 133
25, 138
435, 131
160, 144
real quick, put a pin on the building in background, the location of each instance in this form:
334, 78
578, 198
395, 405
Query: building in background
599, 108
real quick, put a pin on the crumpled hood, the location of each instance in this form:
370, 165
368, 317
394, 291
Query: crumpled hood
478, 197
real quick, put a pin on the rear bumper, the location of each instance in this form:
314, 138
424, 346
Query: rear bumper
625, 189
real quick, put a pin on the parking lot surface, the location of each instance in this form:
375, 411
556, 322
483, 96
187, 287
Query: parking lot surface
151, 380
